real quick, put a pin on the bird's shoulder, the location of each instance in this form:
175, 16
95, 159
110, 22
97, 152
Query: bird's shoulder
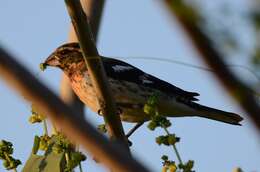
123, 71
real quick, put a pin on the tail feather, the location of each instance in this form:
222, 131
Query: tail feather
185, 108
219, 115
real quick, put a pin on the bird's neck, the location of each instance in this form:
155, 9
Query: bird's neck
78, 68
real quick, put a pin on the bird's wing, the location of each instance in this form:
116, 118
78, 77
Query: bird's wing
120, 70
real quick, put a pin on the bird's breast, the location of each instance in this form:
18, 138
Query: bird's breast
82, 86
129, 97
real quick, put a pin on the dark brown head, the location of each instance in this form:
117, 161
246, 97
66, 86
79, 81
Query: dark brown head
65, 56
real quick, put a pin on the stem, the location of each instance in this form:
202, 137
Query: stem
45, 127
54, 129
8, 159
80, 167
174, 147
67, 158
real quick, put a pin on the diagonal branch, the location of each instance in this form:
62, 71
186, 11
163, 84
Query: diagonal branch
96, 70
238, 90
93, 9
73, 125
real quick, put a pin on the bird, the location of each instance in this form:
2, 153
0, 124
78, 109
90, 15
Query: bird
131, 88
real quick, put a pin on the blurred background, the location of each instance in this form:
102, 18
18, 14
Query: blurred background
135, 29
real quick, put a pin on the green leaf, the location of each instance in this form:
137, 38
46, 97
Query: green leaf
49, 163
148, 109
172, 139
187, 167
36, 144
36, 116
164, 158
42, 66
152, 125
102, 128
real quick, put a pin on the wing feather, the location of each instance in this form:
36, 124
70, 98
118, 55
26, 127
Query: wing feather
120, 70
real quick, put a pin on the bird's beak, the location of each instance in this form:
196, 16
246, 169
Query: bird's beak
52, 60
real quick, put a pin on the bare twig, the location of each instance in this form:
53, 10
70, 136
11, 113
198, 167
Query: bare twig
138, 125
73, 125
96, 71
240, 92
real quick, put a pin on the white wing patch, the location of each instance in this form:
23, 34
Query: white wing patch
145, 79
120, 68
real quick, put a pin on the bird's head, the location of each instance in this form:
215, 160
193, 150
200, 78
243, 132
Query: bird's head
65, 57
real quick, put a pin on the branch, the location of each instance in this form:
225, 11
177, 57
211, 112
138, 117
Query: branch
73, 125
96, 71
93, 9
238, 90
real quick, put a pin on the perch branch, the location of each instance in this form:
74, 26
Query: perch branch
96, 71
93, 9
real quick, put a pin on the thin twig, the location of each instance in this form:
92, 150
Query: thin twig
45, 127
174, 147
73, 125
134, 129
80, 167
240, 92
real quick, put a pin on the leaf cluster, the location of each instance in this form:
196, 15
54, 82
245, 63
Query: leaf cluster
6, 150
36, 116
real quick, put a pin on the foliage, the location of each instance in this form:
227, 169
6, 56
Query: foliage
168, 165
6, 151
36, 116
43, 66
102, 128
58, 153
169, 139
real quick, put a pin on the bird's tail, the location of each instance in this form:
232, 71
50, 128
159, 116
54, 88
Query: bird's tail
219, 115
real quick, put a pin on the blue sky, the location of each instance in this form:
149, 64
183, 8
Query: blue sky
31, 30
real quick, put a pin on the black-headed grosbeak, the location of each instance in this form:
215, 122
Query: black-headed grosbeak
131, 88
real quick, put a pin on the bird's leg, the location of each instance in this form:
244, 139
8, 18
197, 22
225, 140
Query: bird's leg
120, 111
134, 129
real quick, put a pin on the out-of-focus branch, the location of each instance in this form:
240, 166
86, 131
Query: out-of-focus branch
240, 92
93, 9
72, 124
96, 71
